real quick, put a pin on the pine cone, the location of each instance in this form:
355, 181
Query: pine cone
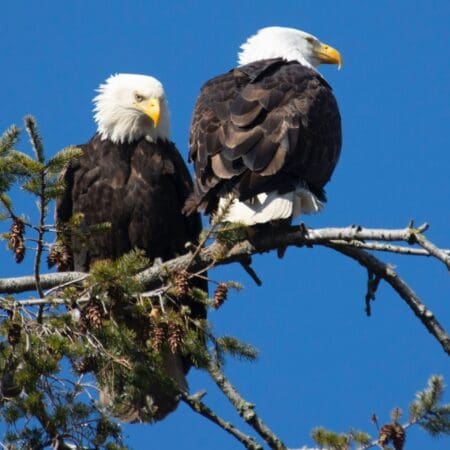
392, 432
158, 335
16, 240
14, 333
93, 314
399, 437
220, 295
60, 256
175, 332
84, 365
181, 284
386, 433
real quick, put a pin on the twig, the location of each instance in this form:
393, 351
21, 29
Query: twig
245, 409
216, 221
64, 285
246, 264
36, 143
387, 273
381, 247
200, 408
372, 285
432, 249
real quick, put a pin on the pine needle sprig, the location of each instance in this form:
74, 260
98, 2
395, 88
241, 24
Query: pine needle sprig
9, 139
237, 348
58, 162
35, 138
427, 410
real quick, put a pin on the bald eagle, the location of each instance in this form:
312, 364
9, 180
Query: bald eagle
131, 176
268, 132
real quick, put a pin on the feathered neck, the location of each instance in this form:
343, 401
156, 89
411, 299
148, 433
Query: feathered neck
275, 42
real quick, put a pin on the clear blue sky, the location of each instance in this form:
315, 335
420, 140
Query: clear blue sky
323, 362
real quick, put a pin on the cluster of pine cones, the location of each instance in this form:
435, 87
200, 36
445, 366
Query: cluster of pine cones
392, 432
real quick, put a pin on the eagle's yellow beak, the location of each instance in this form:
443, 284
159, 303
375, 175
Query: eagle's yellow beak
328, 55
152, 108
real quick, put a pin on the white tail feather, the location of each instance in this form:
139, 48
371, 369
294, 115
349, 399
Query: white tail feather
266, 207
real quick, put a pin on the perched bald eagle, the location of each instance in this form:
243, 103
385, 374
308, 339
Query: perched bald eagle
131, 176
268, 131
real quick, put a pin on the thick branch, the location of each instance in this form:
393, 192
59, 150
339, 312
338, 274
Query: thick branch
50, 280
345, 240
200, 408
245, 409
295, 236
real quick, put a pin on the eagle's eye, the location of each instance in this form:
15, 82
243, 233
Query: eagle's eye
310, 39
138, 97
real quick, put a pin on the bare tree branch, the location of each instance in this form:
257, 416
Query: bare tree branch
295, 236
347, 240
389, 248
387, 273
442, 255
200, 408
245, 409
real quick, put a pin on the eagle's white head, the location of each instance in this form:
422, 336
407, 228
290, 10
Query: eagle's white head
129, 107
289, 44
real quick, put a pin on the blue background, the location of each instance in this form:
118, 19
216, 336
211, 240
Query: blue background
323, 362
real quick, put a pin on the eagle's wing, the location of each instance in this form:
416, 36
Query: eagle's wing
261, 127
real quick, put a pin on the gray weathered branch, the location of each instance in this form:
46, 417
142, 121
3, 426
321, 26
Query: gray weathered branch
387, 273
199, 407
347, 240
245, 409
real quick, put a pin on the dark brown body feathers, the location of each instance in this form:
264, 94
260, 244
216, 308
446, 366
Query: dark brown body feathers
139, 188
263, 127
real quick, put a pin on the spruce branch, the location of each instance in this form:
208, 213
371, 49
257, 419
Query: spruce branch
40, 180
35, 137
9, 139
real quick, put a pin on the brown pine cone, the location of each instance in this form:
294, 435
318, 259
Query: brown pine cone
93, 314
386, 433
158, 336
175, 332
392, 432
14, 332
181, 284
220, 295
399, 437
84, 365
16, 240
60, 256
